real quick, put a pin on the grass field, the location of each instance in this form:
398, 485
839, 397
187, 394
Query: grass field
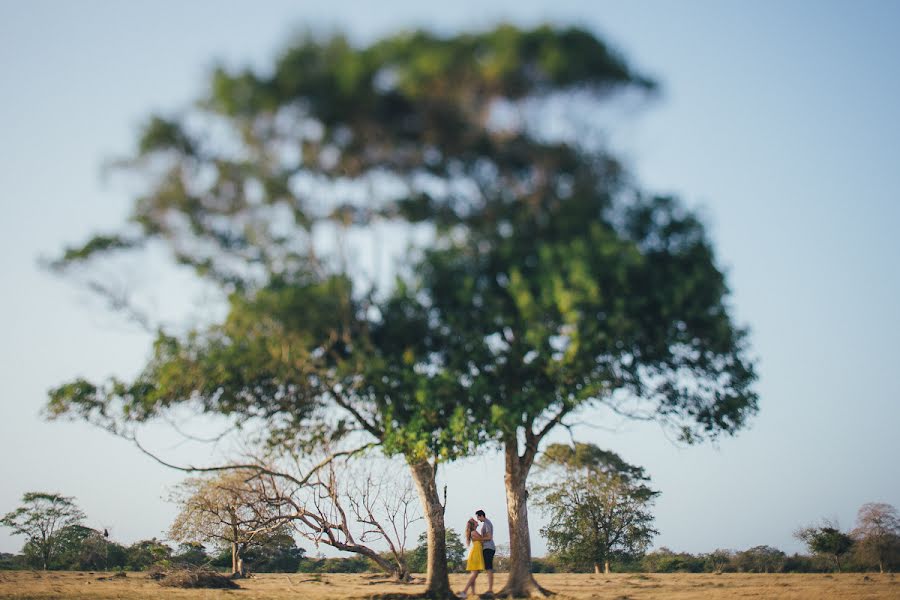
33, 584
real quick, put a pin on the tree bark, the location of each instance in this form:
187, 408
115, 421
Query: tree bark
596, 568
235, 568
521, 582
606, 567
437, 579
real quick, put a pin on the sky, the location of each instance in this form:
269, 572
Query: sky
778, 121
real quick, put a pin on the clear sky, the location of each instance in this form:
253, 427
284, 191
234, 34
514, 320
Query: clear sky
779, 120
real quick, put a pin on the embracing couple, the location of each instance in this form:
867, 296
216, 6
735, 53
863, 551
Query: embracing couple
480, 539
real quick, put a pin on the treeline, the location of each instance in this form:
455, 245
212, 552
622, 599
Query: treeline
759, 559
57, 538
79, 548
84, 549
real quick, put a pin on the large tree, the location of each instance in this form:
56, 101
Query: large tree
41, 518
583, 292
549, 281
598, 506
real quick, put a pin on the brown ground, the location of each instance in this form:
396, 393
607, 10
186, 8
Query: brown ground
33, 584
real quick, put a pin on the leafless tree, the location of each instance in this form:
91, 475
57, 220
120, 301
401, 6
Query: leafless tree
877, 532
226, 509
348, 509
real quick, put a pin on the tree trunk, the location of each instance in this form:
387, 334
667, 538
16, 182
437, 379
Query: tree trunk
596, 568
392, 569
437, 579
520, 582
235, 568
606, 567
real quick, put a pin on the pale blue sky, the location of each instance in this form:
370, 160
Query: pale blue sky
779, 120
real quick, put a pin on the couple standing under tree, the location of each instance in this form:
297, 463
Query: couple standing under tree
480, 539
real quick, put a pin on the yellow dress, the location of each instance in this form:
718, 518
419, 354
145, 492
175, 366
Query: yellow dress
475, 562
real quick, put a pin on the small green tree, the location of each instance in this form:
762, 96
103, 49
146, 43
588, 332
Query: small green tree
826, 540
599, 505
40, 518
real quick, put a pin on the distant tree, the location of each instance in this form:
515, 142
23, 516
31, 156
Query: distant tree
877, 533
191, 553
826, 540
41, 516
226, 509
81, 548
760, 559
665, 560
598, 505
147, 553
12, 562
276, 553
352, 564
456, 553
718, 560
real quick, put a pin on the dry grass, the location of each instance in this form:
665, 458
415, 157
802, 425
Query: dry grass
30, 584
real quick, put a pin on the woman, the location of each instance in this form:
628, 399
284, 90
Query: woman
475, 561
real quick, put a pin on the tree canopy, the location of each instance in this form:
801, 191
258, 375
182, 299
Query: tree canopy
41, 518
598, 506
548, 281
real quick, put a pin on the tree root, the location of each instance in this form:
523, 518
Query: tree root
531, 589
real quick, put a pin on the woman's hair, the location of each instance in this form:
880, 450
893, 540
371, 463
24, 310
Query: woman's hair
470, 527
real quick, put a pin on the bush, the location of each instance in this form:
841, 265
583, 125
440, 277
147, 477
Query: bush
547, 564
666, 561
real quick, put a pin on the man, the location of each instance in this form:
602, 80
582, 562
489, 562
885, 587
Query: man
486, 530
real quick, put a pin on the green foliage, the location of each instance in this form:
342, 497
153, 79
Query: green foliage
96, 245
570, 307
12, 562
144, 554
760, 559
81, 548
41, 518
598, 506
417, 558
667, 561
551, 281
278, 553
352, 564
826, 540
190, 553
